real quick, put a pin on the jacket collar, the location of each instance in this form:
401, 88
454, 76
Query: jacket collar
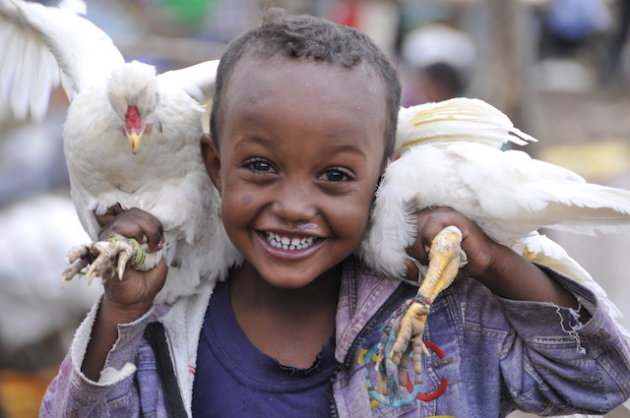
362, 296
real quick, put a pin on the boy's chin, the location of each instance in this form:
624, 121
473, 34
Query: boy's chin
297, 279
290, 282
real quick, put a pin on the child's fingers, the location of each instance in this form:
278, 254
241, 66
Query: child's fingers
138, 224
157, 275
108, 216
151, 228
418, 250
429, 222
412, 271
137, 287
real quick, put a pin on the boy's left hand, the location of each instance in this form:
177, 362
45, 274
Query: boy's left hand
480, 249
496, 266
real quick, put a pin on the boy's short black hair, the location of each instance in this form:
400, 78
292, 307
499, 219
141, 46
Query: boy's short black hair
314, 38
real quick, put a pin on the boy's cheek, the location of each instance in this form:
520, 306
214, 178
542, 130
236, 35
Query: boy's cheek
353, 219
246, 199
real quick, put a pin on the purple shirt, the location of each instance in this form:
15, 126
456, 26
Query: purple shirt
235, 379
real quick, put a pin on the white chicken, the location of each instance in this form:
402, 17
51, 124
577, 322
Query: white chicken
451, 156
131, 138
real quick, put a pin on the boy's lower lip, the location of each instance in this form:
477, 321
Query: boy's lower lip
288, 254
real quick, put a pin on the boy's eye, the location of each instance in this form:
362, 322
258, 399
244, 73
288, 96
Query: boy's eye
334, 175
259, 165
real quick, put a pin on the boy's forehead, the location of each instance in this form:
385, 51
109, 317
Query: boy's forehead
254, 78
268, 95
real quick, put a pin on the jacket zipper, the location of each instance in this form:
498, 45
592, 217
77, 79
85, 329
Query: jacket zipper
400, 292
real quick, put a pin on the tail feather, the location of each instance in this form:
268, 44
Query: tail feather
586, 208
461, 119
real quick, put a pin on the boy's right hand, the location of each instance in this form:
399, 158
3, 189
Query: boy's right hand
132, 296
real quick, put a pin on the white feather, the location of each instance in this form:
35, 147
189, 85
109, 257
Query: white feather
79, 50
457, 119
197, 80
507, 193
450, 157
166, 177
74, 6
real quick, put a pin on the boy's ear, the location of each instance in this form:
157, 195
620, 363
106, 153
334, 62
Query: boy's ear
210, 156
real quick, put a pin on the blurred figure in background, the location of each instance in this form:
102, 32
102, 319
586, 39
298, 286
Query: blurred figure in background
615, 73
569, 24
437, 63
379, 19
439, 81
573, 44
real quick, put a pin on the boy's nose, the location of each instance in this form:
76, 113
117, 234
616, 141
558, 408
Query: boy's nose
294, 204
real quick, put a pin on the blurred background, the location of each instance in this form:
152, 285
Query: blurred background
560, 69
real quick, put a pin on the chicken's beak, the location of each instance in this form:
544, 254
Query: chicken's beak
135, 138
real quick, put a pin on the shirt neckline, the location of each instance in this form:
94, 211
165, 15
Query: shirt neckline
249, 365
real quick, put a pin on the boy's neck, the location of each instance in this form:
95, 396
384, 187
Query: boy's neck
246, 284
290, 325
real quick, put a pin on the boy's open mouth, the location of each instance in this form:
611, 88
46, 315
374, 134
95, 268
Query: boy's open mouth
287, 243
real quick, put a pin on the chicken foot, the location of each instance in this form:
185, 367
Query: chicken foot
103, 258
403, 332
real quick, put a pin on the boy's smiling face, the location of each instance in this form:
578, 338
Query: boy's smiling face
301, 149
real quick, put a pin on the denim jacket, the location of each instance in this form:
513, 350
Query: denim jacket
488, 356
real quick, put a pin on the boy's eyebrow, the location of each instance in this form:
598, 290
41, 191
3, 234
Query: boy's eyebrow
333, 149
256, 139
337, 149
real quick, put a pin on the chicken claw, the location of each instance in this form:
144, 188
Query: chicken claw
77, 259
104, 258
403, 332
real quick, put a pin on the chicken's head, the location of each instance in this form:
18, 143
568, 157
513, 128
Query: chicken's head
133, 93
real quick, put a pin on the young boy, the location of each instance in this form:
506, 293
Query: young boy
303, 123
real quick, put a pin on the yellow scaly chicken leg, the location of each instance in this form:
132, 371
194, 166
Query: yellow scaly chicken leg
445, 258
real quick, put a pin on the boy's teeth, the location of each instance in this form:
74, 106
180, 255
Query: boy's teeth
289, 243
